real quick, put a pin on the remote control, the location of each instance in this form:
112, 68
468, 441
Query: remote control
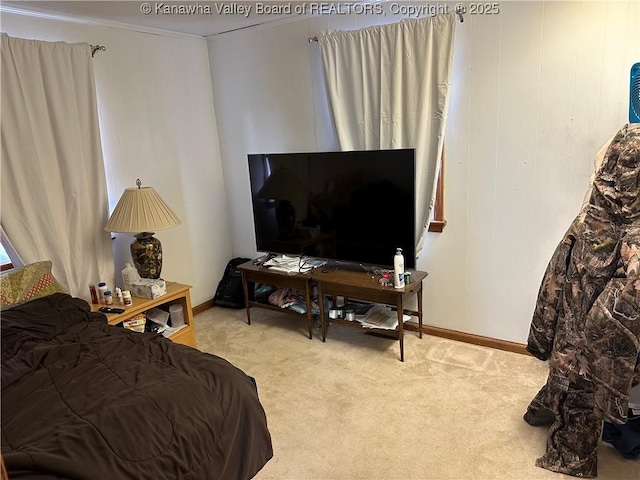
111, 310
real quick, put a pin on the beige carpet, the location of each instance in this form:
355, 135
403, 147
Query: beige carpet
349, 409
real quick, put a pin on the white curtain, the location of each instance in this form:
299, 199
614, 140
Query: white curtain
54, 195
388, 88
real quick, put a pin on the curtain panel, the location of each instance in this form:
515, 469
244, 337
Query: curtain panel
388, 87
54, 195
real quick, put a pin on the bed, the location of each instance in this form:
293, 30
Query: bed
85, 400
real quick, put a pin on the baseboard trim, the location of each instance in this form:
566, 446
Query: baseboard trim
470, 338
202, 307
435, 331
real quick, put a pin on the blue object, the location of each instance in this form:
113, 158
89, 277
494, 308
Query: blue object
634, 94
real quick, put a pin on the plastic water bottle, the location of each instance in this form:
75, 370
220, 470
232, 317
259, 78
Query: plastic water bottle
129, 274
398, 269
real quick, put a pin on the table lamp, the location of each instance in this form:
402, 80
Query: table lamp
141, 211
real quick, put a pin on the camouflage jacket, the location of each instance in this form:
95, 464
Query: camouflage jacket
587, 315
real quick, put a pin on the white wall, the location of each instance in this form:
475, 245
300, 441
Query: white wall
536, 91
159, 125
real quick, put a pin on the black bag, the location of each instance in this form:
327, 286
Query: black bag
229, 293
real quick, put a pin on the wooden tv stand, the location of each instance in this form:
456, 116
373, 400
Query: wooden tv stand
335, 282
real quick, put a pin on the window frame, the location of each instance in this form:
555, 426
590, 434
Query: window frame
6, 266
438, 223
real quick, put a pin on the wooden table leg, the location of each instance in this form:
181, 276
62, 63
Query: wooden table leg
401, 327
420, 310
245, 288
323, 323
307, 301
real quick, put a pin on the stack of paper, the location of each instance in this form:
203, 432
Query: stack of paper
381, 316
168, 331
293, 264
284, 263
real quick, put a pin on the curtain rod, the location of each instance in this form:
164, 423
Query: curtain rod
459, 10
95, 48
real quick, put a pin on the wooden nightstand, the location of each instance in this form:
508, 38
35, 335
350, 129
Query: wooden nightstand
177, 293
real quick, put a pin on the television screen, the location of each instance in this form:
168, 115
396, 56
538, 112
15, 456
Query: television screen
354, 206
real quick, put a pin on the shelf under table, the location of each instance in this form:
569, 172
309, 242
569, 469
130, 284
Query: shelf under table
300, 281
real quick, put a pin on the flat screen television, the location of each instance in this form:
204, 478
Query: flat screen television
354, 207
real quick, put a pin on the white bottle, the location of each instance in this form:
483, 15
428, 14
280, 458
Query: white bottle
119, 295
102, 287
398, 269
129, 274
127, 301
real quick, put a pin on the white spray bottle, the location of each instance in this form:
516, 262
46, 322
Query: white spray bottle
398, 269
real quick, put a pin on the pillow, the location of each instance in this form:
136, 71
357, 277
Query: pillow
26, 283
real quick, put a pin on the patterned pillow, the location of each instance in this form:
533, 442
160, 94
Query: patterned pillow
25, 283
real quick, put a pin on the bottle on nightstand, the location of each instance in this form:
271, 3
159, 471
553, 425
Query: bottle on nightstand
102, 287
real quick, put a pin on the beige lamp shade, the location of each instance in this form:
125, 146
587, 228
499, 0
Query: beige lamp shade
140, 209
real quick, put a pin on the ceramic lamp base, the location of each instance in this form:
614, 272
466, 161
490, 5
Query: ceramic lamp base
146, 253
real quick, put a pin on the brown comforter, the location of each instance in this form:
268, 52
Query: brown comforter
85, 400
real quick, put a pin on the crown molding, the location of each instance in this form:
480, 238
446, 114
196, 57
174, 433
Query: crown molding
39, 13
